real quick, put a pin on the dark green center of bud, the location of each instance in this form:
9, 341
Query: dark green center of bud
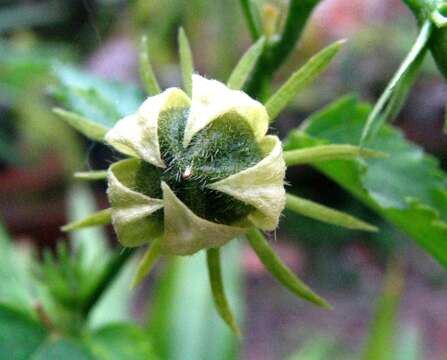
223, 148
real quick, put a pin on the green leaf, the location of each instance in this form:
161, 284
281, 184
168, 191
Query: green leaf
147, 262
92, 244
67, 349
327, 152
380, 343
251, 18
280, 271
15, 287
101, 101
184, 324
25, 64
120, 341
20, 336
186, 61
218, 291
115, 302
394, 95
245, 66
103, 217
146, 72
320, 348
301, 78
407, 188
85, 126
323, 213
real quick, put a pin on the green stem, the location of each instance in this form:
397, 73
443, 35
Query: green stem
113, 268
253, 26
278, 51
217, 288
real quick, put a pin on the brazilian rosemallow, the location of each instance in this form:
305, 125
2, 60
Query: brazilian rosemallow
202, 172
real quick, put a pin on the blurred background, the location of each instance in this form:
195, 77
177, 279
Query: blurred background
38, 153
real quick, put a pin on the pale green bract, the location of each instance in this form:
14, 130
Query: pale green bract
183, 232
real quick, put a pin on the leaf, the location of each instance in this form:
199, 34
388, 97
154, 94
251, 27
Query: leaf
218, 291
91, 243
22, 65
394, 95
325, 214
146, 72
121, 341
320, 348
104, 102
115, 303
301, 78
407, 188
327, 152
103, 217
184, 324
147, 262
380, 343
14, 288
91, 175
20, 336
279, 271
186, 61
87, 127
67, 349
245, 66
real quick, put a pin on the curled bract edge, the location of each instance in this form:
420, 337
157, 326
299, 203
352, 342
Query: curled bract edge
138, 218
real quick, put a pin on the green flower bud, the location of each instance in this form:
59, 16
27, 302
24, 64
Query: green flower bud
202, 171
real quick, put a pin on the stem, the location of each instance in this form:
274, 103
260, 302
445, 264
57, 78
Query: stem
251, 20
277, 52
109, 274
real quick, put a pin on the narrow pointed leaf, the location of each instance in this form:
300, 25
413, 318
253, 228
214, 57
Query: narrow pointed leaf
87, 127
218, 291
147, 263
245, 66
380, 343
325, 214
301, 78
103, 217
328, 152
394, 95
186, 61
146, 72
91, 175
280, 271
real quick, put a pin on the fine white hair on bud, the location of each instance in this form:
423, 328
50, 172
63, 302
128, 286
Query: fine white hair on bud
203, 170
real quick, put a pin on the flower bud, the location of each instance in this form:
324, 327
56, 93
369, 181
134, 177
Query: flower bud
202, 171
